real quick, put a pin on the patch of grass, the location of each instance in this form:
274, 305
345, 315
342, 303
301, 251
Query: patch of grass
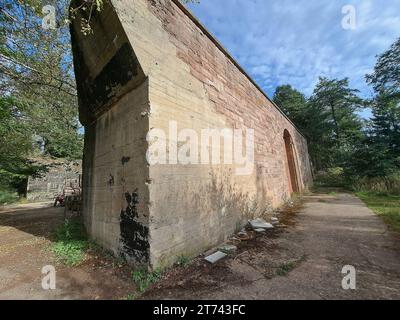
285, 268
131, 297
144, 279
184, 261
71, 253
71, 243
385, 205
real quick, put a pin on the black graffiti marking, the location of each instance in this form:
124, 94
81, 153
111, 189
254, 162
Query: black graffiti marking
134, 235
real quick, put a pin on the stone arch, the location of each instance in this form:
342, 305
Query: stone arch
291, 163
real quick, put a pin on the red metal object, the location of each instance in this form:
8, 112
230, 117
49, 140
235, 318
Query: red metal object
60, 199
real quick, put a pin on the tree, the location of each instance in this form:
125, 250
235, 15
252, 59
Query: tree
386, 75
15, 139
37, 87
386, 122
328, 119
380, 154
15, 146
341, 102
37, 71
293, 103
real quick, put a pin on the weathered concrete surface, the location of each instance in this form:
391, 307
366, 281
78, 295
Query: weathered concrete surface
329, 233
167, 68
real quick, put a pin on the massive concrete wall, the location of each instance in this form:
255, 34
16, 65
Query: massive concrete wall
178, 76
114, 101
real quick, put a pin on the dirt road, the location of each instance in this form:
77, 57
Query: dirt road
303, 261
25, 238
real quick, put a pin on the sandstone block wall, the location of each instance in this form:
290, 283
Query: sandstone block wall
171, 70
60, 174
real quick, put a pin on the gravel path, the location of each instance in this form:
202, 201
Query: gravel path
329, 233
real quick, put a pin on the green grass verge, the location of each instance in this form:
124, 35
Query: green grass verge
385, 205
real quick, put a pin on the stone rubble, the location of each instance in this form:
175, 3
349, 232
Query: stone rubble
214, 258
260, 224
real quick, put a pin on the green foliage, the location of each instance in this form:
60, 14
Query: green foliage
72, 229
386, 206
334, 105
71, 253
380, 185
131, 297
61, 146
84, 10
8, 196
332, 177
70, 243
184, 261
386, 75
15, 145
144, 279
37, 91
15, 140
336, 135
328, 119
285, 268
293, 103
378, 154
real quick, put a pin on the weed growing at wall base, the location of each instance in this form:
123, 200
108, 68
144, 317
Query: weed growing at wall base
71, 243
184, 261
144, 279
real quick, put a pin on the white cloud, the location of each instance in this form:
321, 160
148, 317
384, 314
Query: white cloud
287, 41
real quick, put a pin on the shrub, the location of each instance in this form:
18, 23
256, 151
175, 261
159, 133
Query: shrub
7, 196
332, 177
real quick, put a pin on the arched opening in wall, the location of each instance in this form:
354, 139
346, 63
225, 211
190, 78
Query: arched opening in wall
291, 163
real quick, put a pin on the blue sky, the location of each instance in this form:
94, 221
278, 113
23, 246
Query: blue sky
296, 41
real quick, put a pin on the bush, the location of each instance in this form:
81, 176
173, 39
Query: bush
332, 177
8, 196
